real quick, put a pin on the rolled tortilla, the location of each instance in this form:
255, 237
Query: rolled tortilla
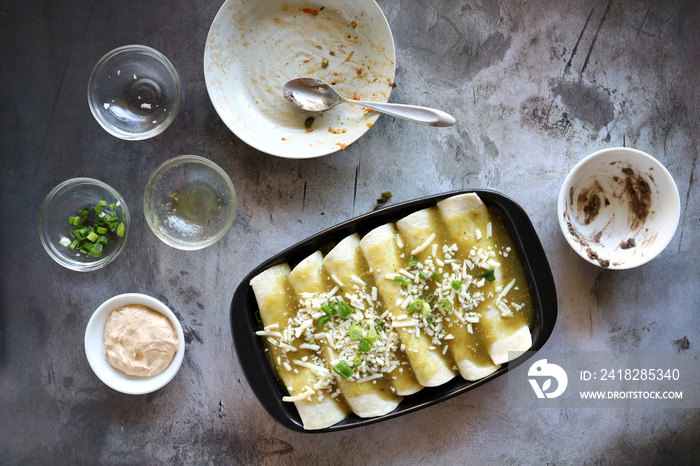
469, 222
277, 306
423, 230
383, 256
346, 263
366, 399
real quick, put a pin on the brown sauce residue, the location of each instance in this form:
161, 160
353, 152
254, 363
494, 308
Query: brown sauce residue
589, 202
639, 195
629, 244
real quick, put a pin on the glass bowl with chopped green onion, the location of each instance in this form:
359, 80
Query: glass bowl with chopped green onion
84, 224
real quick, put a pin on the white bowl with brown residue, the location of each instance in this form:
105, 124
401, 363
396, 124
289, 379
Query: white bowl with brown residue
254, 48
618, 208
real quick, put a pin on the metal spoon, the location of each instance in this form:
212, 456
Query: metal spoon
316, 96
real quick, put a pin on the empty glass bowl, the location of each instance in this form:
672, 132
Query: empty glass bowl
63, 202
189, 202
134, 92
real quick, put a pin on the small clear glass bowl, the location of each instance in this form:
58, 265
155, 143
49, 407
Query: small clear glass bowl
63, 202
189, 202
134, 92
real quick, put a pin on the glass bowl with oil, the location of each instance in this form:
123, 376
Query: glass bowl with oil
189, 202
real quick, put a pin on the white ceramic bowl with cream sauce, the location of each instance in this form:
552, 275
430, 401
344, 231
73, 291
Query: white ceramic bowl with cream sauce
618, 208
95, 347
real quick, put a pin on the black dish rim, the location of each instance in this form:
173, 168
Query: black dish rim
250, 348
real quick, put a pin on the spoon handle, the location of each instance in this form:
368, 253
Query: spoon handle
414, 113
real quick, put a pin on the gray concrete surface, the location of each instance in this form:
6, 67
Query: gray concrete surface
535, 86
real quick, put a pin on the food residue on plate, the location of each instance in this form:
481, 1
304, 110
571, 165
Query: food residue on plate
139, 341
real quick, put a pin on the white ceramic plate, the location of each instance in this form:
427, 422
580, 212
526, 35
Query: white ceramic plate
95, 347
254, 47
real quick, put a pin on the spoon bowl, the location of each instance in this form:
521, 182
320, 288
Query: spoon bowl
315, 95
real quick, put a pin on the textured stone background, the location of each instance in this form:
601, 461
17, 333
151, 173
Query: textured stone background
535, 86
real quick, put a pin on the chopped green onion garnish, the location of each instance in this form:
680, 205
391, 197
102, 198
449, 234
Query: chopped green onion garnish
488, 274
437, 277
355, 332
445, 305
422, 276
65, 242
323, 320
429, 320
372, 336
343, 370
105, 203
364, 345
412, 262
101, 230
92, 236
379, 325
457, 284
96, 250
356, 361
344, 310
329, 309
120, 230
398, 278
416, 305
312, 341
429, 298
112, 206
426, 309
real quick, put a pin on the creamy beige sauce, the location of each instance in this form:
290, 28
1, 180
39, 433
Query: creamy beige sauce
139, 341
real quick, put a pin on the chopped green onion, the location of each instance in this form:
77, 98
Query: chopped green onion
323, 320
457, 284
105, 203
398, 278
96, 250
98, 209
113, 206
445, 305
344, 310
371, 336
437, 277
429, 320
329, 309
312, 341
416, 305
355, 332
101, 230
488, 274
379, 325
74, 244
120, 230
364, 345
426, 309
102, 240
412, 262
422, 276
343, 370
92, 236
324, 63
65, 242
356, 361
429, 298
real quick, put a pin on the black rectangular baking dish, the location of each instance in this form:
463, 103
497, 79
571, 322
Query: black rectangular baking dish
251, 349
